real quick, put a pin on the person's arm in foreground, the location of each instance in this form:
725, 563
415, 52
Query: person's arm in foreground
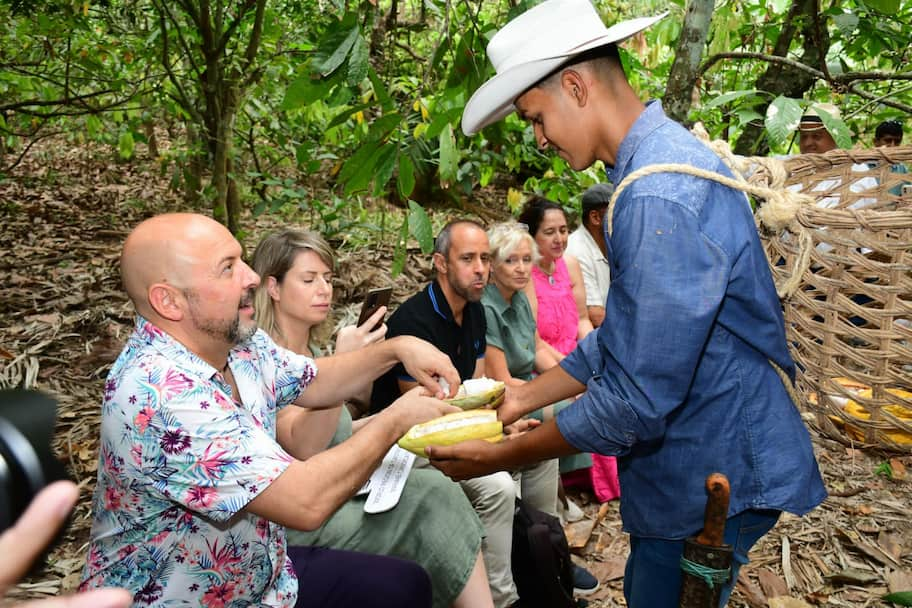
550, 387
346, 374
308, 492
309, 430
21, 544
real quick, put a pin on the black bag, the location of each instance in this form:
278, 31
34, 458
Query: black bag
542, 569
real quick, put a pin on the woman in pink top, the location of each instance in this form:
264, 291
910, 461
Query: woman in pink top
557, 296
556, 292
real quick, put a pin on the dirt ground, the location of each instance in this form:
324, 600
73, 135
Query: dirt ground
63, 319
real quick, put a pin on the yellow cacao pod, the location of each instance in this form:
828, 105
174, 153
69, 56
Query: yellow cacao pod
451, 429
478, 392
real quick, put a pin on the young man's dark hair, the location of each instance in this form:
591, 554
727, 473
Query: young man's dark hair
888, 133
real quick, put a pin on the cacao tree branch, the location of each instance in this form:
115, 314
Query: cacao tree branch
854, 88
33, 139
181, 97
31, 103
762, 57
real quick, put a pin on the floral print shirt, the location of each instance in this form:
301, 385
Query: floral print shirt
179, 460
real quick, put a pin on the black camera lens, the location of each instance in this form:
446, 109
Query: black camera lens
27, 463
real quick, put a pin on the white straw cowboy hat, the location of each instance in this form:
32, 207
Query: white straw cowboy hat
534, 44
811, 120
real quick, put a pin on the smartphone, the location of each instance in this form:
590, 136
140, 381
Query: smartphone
375, 299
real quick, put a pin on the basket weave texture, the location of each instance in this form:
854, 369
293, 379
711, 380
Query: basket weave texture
849, 322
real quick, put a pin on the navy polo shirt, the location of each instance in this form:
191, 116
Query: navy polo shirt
427, 315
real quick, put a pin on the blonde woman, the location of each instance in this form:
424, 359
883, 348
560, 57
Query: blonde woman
511, 355
433, 524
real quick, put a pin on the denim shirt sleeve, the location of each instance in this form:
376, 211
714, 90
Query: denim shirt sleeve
668, 280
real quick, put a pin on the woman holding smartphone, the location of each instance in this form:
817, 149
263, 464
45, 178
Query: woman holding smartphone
433, 524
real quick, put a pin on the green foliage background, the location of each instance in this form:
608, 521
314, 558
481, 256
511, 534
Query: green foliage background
363, 99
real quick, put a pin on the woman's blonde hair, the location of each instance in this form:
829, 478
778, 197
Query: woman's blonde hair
505, 237
274, 256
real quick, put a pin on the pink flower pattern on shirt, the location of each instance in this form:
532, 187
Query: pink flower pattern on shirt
179, 460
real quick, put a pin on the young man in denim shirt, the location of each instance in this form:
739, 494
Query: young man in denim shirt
680, 380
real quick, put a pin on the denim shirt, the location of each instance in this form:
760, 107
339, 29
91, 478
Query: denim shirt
678, 379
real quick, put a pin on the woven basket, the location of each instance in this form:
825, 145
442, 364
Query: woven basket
849, 322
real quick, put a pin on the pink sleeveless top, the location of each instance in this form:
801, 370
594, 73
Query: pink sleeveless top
558, 319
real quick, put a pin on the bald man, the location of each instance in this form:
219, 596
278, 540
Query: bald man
198, 473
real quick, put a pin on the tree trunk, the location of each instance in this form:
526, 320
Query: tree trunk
684, 70
781, 79
193, 170
151, 140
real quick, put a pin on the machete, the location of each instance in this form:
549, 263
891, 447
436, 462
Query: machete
706, 562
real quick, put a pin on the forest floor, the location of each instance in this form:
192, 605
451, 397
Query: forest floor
63, 319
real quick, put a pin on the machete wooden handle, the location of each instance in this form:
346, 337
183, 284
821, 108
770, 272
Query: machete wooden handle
716, 514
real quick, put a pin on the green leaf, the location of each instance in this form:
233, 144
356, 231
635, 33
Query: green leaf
399, 254
838, 129
725, 98
359, 170
420, 227
357, 61
901, 598
748, 115
345, 114
406, 180
382, 127
125, 145
385, 163
486, 173
846, 22
380, 90
93, 125
334, 47
782, 118
442, 119
306, 90
448, 155
888, 7
362, 159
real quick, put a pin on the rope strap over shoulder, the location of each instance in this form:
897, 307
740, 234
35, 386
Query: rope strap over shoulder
780, 211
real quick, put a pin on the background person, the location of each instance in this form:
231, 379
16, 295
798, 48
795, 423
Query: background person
679, 384
587, 245
813, 135
198, 469
556, 292
558, 298
510, 332
295, 295
888, 134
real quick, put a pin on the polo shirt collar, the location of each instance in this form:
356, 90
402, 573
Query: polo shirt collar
496, 300
439, 301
